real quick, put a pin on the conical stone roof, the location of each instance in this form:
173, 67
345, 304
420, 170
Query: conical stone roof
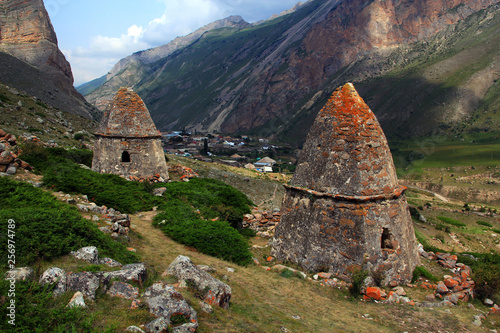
346, 152
127, 116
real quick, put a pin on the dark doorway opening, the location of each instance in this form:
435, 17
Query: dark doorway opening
125, 157
387, 239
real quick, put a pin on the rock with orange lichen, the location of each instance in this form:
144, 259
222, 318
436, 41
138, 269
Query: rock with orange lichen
344, 209
127, 141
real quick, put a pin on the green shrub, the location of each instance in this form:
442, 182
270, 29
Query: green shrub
46, 228
357, 279
496, 230
452, 221
485, 273
215, 238
213, 198
247, 232
486, 224
288, 273
38, 311
421, 271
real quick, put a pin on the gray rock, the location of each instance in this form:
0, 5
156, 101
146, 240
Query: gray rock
205, 307
207, 268
3, 174
164, 302
422, 219
95, 218
134, 329
20, 274
159, 191
131, 272
55, 275
110, 262
211, 290
2, 147
488, 302
399, 291
85, 282
11, 170
118, 229
89, 254
106, 230
77, 301
123, 290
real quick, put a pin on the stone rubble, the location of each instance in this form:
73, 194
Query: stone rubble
262, 222
123, 290
9, 152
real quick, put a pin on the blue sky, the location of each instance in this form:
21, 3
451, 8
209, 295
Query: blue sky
95, 34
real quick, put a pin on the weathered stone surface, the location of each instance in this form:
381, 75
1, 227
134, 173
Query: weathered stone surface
57, 276
109, 262
205, 307
131, 272
134, 329
127, 141
77, 301
344, 208
89, 254
85, 282
159, 191
6, 158
164, 302
123, 290
20, 274
213, 291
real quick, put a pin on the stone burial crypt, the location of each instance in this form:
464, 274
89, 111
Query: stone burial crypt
344, 210
127, 141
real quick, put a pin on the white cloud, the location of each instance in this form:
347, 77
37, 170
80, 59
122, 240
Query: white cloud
179, 18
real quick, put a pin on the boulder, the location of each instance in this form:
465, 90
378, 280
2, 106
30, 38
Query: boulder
130, 272
11, 170
55, 275
205, 307
164, 302
89, 254
6, 158
85, 282
134, 329
399, 291
123, 290
20, 274
208, 288
441, 288
77, 301
109, 262
374, 292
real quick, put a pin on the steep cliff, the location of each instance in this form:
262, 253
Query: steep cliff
26, 33
272, 78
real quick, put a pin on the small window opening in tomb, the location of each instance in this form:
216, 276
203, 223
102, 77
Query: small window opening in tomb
125, 157
387, 239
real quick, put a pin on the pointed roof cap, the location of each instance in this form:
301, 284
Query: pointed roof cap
346, 152
127, 116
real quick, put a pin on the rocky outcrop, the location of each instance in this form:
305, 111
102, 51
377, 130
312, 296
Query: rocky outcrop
27, 35
208, 288
55, 275
344, 209
164, 302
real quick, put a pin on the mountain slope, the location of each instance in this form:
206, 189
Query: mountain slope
28, 44
271, 79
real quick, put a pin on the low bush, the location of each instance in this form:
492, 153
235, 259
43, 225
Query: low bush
215, 238
452, 221
486, 224
357, 279
46, 228
485, 273
421, 271
212, 198
496, 230
37, 310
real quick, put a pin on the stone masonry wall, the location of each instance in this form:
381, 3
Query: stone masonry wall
146, 157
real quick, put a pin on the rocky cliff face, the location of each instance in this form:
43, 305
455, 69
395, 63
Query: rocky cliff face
272, 78
26, 33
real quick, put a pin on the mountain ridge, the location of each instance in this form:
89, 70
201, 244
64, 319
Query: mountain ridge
259, 79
